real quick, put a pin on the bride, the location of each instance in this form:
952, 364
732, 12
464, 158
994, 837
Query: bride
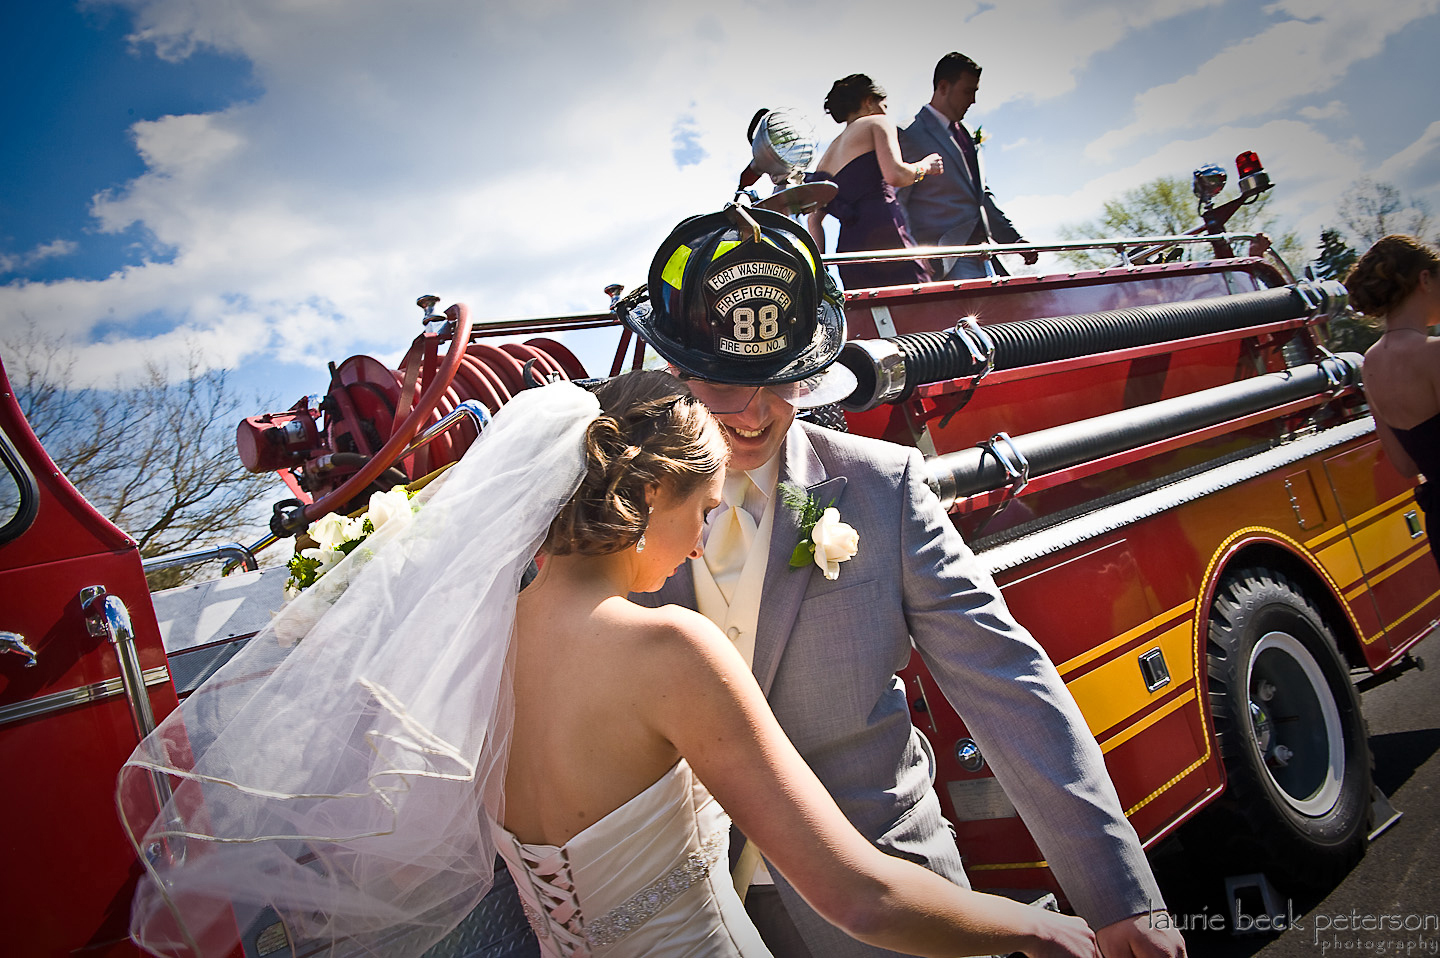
361, 780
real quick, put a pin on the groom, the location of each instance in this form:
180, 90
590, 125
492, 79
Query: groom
955, 208
742, 309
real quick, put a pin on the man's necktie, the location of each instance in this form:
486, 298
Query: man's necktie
967, 150
731, 533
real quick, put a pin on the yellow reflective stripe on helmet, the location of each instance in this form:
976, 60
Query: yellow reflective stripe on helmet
803, 250
723, 247
675, 269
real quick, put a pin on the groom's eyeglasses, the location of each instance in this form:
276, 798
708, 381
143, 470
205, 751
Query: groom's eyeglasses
727, 399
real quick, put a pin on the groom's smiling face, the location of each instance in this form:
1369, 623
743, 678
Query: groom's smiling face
754, 419
755, 433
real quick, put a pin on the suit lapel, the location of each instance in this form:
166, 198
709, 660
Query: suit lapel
785, 586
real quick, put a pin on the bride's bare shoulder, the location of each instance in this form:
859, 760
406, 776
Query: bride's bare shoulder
672, 632
670, 622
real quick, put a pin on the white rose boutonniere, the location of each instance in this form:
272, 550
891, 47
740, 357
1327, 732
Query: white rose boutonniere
824, 539
834, 542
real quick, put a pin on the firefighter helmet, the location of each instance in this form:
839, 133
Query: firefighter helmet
741, 297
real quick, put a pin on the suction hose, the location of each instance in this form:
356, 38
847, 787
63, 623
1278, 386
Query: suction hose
889, 370
966, 472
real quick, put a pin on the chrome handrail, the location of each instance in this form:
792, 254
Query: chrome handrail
107, 618
245, 555
1117, 244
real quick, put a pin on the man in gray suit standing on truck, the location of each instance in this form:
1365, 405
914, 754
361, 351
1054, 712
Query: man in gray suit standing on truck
743, 310
955, 208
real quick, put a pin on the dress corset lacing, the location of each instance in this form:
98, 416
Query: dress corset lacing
554, 886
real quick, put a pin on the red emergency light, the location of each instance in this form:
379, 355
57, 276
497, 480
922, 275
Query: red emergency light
1252, 175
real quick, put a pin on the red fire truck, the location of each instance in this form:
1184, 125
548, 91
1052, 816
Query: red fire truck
1177, 487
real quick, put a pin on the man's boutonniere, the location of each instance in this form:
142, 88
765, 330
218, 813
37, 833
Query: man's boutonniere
824, 539
979, 136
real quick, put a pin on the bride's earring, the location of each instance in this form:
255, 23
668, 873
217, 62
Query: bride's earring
640, 543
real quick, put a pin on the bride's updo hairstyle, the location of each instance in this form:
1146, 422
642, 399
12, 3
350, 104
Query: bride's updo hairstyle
1388, 273
849, 94
650, 432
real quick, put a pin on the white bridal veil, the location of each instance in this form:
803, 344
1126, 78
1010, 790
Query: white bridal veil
344, 779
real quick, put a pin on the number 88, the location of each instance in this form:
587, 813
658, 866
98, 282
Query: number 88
744, 318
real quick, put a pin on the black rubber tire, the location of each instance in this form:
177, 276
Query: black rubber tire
1291, 734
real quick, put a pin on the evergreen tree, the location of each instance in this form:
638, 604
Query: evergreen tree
1336, 257
1349, 332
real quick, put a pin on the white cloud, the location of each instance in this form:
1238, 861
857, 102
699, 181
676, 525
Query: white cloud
1416, 168
51, 250
1309, 51
1037, 50
518, 156
1330, 111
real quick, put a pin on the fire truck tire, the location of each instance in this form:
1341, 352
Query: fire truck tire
1291, 734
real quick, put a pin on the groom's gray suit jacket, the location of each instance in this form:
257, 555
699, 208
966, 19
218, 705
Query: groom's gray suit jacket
944, 210
826, 654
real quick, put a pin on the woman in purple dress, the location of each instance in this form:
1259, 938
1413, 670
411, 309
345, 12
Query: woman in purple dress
864, 162
1398, 280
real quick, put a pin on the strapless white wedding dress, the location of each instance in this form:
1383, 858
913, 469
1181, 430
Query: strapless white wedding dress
650, 878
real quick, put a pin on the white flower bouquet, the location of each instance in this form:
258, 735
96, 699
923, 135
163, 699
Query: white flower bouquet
337, 536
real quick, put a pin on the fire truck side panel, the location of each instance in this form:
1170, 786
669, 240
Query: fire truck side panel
68, 889
1122, 609
1391, 569
1105, 605
65, 722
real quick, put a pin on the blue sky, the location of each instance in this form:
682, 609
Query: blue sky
274, 183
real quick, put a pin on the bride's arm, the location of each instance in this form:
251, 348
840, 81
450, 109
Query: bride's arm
893, 167
709, 707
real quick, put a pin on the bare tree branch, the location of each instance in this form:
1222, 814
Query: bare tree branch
1371, 209
156, 457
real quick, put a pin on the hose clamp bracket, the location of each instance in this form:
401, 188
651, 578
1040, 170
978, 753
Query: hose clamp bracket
1336, 372
1313, 297
1011, 459
977, 343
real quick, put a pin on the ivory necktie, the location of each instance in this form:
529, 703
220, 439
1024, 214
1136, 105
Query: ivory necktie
731, 534
726, 548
